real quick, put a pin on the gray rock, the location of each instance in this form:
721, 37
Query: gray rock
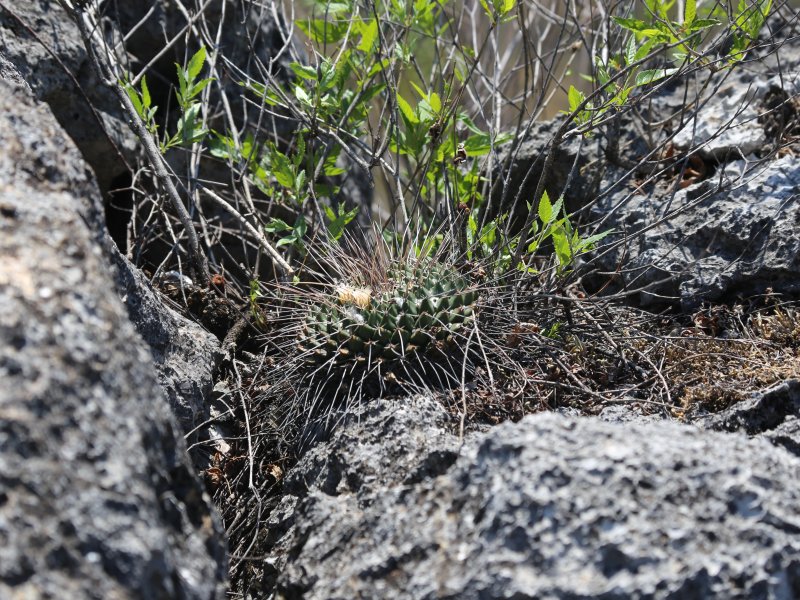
185, 354
383, 445
728, 121
622, 414
250, 35
773, 414
51, 65
731, 234
550, 507
97, 496
739, 239
728, 124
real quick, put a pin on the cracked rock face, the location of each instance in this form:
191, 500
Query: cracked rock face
185, 354
739, 238
551, 507
97, 496
733, 233
44, 47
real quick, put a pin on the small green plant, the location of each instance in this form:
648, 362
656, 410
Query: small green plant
291, 234
143, 103
380, 319
678, 40
253, 297
747, 23
189, 129
336, 98
553, 225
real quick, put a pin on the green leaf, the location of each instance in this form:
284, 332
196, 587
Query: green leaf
436, 102
370, 92
633, 24
183, 86
699, 24
689, 12
222, 147
300, 228
196, 64
146, 100
304, 71
503, 7
589, 242
630, 51
198, 87
331, 170
135, 99
645, 49
336, 8
464, 118
302, 95
478, 145
329, 76
419, 90
545, 209
323, 31
340, 221
277, 226
649, 76
369, 34
562, 247
300, 182
406, 109
378, 67
576, 97
189, 129
282, 168
489, 11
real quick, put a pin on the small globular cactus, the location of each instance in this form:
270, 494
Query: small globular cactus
418, 307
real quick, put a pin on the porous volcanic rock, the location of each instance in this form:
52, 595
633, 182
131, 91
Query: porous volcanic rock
184, 353
550, 507
731, 231
98, 498
733, 234
44, 47
773, 414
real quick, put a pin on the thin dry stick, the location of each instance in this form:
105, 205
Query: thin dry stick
464, 387
109, 76
282, 265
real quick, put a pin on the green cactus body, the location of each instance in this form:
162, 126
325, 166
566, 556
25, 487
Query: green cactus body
420, 307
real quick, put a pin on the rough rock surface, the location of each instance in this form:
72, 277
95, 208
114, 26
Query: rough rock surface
720, 242
45, 48
551, 507
97, 495
732, 233
773, 414
185, 354
520, 167
356, 468
729, 122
